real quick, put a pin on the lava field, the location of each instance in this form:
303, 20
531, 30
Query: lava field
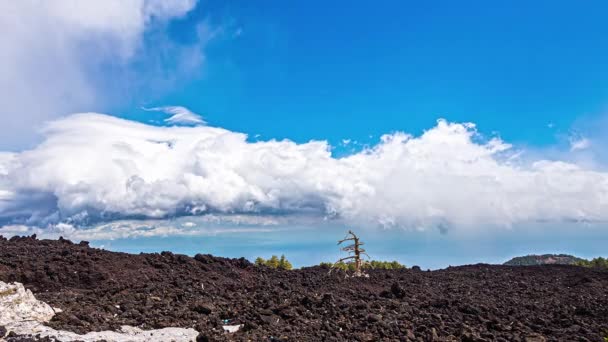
101, 290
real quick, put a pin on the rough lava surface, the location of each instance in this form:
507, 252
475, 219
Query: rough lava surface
23, 317
99, 290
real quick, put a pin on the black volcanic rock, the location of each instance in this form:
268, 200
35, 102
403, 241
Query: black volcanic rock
101, 290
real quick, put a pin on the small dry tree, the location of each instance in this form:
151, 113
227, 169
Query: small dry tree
355, 250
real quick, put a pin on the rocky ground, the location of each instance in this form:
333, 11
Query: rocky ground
100, 290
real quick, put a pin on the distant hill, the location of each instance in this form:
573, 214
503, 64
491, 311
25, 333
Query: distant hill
545, 259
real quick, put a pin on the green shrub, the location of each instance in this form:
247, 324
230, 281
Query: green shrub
345, 266
284, 263
595, 263
274, 262
259, 261
373, 264
383, 265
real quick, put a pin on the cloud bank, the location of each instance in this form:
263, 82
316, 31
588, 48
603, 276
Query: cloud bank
97, 168
64, 56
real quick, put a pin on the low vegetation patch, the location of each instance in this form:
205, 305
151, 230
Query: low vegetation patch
274, 262
373, 264
594, 263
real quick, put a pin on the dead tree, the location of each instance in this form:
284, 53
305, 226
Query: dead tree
355, 250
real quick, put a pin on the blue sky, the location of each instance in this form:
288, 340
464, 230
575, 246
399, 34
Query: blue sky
316, 71
308, 245
340, 105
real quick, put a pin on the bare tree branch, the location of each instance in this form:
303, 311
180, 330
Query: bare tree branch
354, 249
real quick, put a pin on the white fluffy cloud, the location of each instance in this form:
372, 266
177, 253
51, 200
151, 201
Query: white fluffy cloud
94, 167
52, 53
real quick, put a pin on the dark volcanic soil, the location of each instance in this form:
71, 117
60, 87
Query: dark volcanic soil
101, 290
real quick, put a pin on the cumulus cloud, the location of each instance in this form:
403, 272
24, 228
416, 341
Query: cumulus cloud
179, 115
94, 167
63, 56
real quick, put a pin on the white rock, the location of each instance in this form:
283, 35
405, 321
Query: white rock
22, 313
18, 304
232, 328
